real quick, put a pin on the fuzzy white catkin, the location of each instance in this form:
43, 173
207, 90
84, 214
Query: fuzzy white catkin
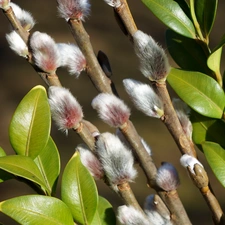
73, 9
72, 58
116, 159
113, 3
154, 63
26, 19
128, 215
187, 160
183, 112
144, 98
66, 111
45, 52
111, 109
167, 177
17, 44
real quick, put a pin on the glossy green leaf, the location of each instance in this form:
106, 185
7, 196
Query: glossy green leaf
30, 125
207, 129
215, 156
202, 93
214, 61
48, 162
104, 214
205, 11
184, 6
37, 210
171, 14
79, 191
22, 166
186, 52
2, 152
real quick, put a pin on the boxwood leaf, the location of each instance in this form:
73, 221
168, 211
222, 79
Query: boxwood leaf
171, 14
201, 92
186, 52
37, 210
30, 126
79, 191
104, 214
205, 11
48, 162
207, 129
24, 167
215, 156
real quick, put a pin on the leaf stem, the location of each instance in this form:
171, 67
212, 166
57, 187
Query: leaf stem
196, 24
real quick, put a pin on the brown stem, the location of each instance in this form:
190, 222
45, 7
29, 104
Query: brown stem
175, 206
172, 122
143, 157
16, 24
128, 197
125, 18
85, 134
94, 70
200, 178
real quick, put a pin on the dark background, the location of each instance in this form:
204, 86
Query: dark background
17, 77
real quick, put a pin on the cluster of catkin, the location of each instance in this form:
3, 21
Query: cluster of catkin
107, 156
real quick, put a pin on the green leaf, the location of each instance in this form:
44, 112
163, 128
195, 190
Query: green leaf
184, 6
48, 162
213, 61
79, 191
104, 214
201, 92
207, 129
37, 210
171, 14
205, 11
215, 156
22, 166
30, 126
186, 52
2, 152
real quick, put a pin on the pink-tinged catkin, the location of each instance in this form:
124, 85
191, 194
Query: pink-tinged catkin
66, 111
73, 9
111, 109
45, 52
91, 162
167, 177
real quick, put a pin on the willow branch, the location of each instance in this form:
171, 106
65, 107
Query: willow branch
175, 206
125, 18
16, 24
128, 197
94, 70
